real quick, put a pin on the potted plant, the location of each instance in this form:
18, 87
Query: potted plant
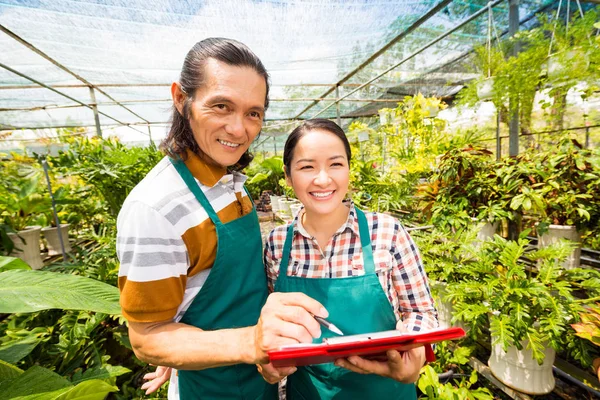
21, 205
267, 176
571, 200
589, 329
528, 313
51, 231
465, 187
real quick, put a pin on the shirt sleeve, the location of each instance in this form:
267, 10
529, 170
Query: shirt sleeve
410, 280
271, 260
153, 264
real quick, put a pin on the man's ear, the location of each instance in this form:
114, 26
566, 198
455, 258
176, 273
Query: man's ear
178, 97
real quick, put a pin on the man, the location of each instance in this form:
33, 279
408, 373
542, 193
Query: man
193, 286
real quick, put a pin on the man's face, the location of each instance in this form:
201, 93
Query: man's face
227, 112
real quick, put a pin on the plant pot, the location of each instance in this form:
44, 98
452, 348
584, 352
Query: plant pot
295, 209
30, 249
274, 203
559, 64
487, 231
53, 241
432, 111
383, 117
520, 371
485, 89
284, 206
557, 232
445, 309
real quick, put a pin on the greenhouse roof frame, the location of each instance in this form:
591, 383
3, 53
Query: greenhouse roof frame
346, 89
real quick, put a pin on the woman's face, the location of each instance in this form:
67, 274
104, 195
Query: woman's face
319, 172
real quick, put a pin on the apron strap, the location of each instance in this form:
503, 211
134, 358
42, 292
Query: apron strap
365, 242
287, 249
191, 183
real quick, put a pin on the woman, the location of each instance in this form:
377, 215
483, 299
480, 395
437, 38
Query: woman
363, 267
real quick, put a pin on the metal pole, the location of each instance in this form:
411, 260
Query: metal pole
275, 144
150, 136
337, 108
383, 146
56, 220
513, 28
95, 110
498, 139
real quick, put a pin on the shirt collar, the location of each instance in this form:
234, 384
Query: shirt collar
351, 223
207, 174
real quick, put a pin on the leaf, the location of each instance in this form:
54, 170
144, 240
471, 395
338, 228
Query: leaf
8, 372
29, 291
14, 351
7, 263
36, 383
104, 372
94, 389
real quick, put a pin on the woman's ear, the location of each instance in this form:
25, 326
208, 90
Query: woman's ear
286, 173
178, 96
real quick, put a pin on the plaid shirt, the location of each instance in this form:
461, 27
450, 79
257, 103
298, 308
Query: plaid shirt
397, 263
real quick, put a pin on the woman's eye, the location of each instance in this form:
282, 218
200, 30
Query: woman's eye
337, 165
306, 167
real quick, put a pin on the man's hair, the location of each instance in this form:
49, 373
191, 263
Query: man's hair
231, 52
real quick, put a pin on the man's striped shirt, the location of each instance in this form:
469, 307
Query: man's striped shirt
166, 242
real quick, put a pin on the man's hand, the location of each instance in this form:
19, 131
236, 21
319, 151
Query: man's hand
273, 374
156, 379
286, 318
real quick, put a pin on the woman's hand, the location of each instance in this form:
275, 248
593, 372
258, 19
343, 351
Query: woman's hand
403, 366
156, 379
273, 374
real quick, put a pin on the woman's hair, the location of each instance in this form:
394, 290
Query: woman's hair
228, 51
308, 126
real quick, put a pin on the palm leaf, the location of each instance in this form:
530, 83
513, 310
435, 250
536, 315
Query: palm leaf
7, 263
24, 291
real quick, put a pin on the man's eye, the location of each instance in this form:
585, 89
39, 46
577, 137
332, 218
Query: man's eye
221, 106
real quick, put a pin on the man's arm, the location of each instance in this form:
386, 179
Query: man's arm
285, 319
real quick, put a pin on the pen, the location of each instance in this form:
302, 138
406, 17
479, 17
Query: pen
328, 325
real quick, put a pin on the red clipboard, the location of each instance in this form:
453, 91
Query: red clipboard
369, 345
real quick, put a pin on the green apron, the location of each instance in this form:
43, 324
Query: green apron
356, 304
231, 297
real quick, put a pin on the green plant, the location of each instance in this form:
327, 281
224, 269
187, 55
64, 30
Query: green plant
429, 384
521, 306
569, 188
266, 175
589, 326
466, 185
24, 198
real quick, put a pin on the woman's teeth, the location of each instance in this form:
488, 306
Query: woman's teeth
321, 194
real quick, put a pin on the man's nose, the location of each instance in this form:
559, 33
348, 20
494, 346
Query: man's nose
235, 126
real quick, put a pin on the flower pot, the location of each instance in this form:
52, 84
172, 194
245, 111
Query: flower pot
295, 208
432, 111
53, 241
274, 203
559, 64
445, 309
520, 371
485, 89
284, 206
383, 117
557, 232
487, 231
30, 249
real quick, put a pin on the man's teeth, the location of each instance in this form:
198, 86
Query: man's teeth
229, 143
321, 194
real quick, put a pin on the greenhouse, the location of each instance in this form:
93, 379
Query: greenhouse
166, 198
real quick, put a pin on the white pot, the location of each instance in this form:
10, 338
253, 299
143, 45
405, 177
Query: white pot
520, 371
51, 235
284, 206
559, 63
432, 111
487, 231
445, 309
274, 203
485, 89
30, 250
383, 117
295, 208
557, 232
